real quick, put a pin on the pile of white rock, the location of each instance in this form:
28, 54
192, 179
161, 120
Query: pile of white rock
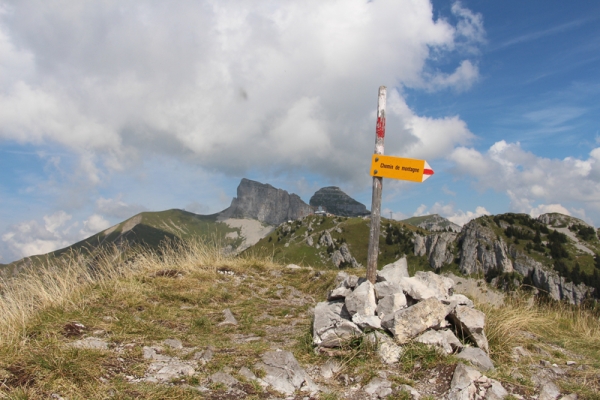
422, 308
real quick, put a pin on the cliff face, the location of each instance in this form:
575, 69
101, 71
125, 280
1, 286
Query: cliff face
265, 203
484, 247
549, 280
436, 247
334, 201
481, 250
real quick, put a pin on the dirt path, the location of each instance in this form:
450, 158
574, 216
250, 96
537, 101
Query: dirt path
251, 230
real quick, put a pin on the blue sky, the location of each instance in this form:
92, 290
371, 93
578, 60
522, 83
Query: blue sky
111, 108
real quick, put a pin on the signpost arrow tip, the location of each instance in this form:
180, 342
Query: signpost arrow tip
427, 171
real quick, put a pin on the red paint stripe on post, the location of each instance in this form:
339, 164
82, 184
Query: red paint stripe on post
380, 128
427, 172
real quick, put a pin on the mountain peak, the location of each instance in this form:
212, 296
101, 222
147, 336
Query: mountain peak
265, 203
333, 200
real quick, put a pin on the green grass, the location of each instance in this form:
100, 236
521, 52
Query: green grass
136, 301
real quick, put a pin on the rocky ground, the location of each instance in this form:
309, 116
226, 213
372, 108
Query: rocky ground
246, 331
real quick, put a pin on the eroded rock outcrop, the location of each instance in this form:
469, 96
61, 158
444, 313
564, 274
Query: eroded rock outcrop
265, 203
549, 280
436, 247
335, 201
481, 250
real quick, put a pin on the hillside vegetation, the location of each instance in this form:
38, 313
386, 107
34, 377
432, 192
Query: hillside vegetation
142, 305
149, 229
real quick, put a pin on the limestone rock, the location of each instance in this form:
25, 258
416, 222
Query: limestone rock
379, 387
435, 222
90, 343
166, 371
330, 368
362, 300
390, 304
471, 322
383, 289
284, 373
481, 250
441, 285
477, 357
347, 256
337, 259
339, 293
416, 289
224, 379
173, 343
325, 239
394, 272
335, 201
330, 329
388, 351
549, 280
459, 299
229, 318
265, 203
436, 247
366, 321
463, 386
496, 391
560, 220
408, 323
412, 391
549, 391
444, 340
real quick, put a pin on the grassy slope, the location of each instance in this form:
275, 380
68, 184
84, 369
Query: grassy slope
585, 260
151, 229
132, 306
354, 231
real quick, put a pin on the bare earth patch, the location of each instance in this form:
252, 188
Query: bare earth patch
251, 230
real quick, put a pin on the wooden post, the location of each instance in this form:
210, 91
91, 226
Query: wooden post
377, 187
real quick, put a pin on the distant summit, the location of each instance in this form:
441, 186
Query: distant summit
433, 222
334, 201
265, 203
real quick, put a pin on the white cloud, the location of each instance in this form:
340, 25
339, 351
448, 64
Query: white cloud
94, 224
469, 28
51, 233
231, 86
117, 208
449, 212
462, 78
33, 237
533, 183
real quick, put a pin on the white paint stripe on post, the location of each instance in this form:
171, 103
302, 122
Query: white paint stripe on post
377, 188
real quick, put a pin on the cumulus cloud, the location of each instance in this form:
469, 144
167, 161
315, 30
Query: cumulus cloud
39, 237
534, 184
230, 86
117, 208
448, 211
94, 224
50, 233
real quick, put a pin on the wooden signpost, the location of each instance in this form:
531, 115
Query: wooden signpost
382, 166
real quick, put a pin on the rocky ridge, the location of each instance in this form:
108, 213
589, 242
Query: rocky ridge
265, 203
333, 200
433, 222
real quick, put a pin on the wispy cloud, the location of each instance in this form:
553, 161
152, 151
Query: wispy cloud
528, 37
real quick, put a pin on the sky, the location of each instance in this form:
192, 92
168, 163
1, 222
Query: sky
111, 108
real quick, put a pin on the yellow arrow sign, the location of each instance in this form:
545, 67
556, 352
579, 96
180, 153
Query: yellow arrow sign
407, 169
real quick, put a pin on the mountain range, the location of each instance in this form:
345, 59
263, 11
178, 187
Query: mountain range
554, 253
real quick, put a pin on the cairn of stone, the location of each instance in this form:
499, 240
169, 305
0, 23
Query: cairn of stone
421, 308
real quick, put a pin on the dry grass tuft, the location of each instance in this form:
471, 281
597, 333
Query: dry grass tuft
65, 280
